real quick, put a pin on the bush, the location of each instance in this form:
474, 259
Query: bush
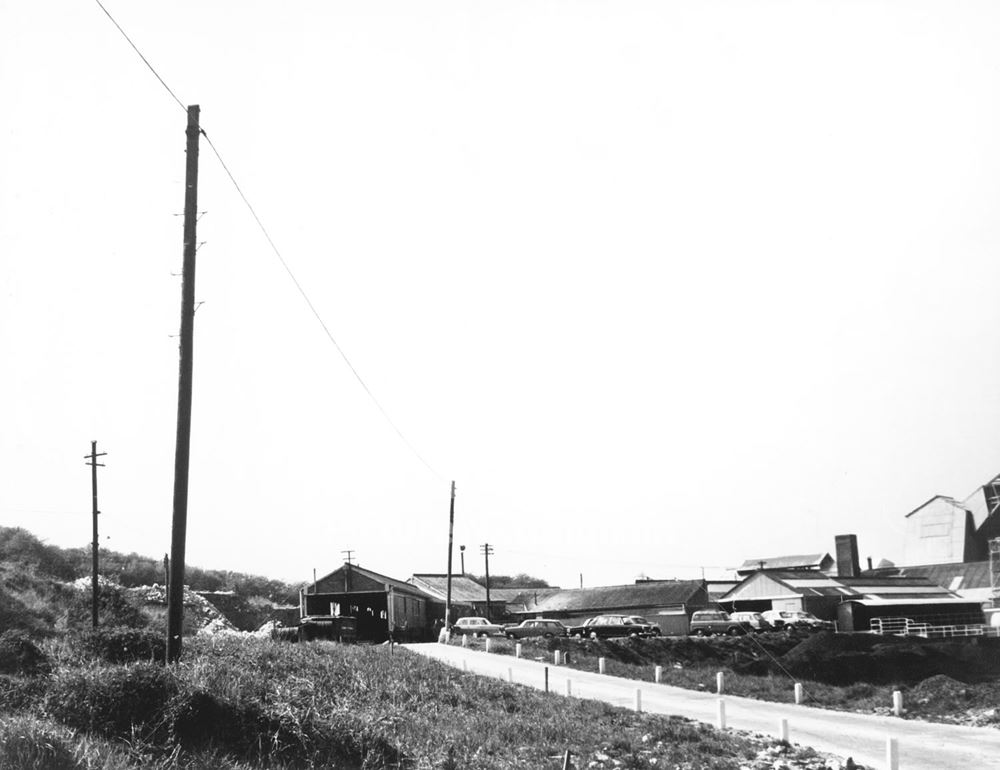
123, 644
113, 607
29, 744
112, 700
14, 613
19, 655
199, 721
19, 547
20, 694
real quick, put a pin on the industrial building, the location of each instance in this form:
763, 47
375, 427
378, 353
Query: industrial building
668, 603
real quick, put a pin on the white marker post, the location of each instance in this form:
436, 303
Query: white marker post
638, 700
517, 650
891, 753
487, 644
783, 730
555, 657
465, 640
720, 683
510, 675
658, 674
798, 693
569, 687
897, 703
600, 665
720, 720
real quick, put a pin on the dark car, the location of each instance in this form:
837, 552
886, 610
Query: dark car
607, 626
648, 629
535, 627
708, 622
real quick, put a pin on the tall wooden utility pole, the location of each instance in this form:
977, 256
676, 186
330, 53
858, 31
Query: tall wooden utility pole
347, 571
95, 590
451, 538
486, 549
182, 456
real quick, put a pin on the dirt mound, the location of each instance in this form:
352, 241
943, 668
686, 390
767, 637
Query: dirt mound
685, 650
849, 658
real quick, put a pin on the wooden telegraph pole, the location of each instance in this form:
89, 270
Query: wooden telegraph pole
451, 538
486, 549
175, 589
95, 589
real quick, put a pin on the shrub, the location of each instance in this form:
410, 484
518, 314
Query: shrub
30, 744
123, 644
113, 607
20, 694
199, 720
112, 700
14, 613
19, 655
19, 547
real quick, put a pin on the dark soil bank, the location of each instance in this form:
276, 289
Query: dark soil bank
839, 659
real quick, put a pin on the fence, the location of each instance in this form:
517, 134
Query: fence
932, 628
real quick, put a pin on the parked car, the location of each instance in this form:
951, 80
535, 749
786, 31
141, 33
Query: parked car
796, 619
708, 622
649, 629
607, 626
476, 627
535, 627
752, 621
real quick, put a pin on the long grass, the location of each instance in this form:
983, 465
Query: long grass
238, 703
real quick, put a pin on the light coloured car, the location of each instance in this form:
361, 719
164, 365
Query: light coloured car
476, 627
752, 621
792, 619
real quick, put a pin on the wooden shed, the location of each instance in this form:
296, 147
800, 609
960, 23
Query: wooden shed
384, 608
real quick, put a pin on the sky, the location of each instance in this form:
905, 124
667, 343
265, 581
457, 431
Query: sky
662, 286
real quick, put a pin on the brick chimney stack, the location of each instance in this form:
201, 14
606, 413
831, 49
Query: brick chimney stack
848, 564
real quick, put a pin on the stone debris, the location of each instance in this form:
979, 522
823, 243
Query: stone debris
771, 755
197, 610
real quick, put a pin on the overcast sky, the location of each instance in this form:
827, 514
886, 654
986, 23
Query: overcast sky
660, 285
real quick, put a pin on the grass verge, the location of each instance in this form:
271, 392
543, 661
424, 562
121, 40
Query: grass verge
241, 703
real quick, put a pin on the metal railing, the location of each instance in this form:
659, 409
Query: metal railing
932, 628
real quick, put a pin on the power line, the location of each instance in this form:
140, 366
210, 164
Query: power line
144, 59
312, 308
277, 253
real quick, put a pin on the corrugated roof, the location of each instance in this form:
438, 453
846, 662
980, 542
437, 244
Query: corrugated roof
463, 589
522, 599
974, 574
377, 577
911, 602
610, 597
817, 584
871, 581
797, 561
786, 575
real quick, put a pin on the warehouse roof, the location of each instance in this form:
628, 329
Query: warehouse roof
808, 561
635, 595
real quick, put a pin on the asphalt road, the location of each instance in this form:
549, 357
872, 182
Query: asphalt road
920, 745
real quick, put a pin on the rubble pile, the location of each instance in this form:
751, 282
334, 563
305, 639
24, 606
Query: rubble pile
771, 755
